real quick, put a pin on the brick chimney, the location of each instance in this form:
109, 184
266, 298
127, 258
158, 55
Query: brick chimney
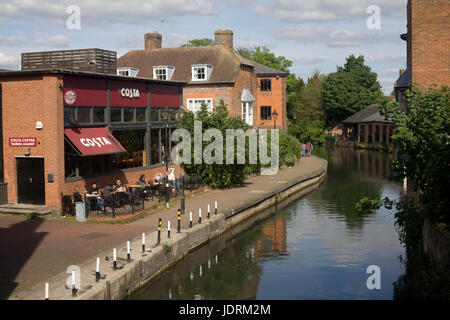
224, 38
152, 41
401, 72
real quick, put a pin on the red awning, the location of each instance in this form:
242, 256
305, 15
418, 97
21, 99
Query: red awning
93, 141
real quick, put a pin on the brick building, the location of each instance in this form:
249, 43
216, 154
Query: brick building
212, 74
428, 45
63, 128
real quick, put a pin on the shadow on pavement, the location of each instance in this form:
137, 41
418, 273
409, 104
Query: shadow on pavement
18, 243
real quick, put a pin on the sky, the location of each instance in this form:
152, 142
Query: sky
313, 34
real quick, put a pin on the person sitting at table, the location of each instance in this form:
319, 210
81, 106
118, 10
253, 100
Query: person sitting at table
77, 195
122, 189
158, 178
142, 181
93, 197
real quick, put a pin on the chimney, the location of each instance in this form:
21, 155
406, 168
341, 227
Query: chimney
152, 41
224, 38
401, 72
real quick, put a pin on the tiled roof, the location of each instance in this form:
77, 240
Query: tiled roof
368, 114
262, 70
404, 80
225, 62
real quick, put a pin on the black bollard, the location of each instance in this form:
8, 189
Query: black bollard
215, 207
179, 221
199, 215
168, 229
208, 211
114, 259
158, 240
128, 251
143, 242
190, 219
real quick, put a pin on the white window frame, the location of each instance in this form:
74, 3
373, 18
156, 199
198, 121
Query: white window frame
247, 112
195, 104
207, 71
168, 69
127, 72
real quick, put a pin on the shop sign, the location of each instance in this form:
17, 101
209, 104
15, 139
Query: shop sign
70, 96
129, 93
92, 142
22, 142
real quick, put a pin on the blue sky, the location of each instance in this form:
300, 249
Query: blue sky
314, 34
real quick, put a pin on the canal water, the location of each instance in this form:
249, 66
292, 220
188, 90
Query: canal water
318, 247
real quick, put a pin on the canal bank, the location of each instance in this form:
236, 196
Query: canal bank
141, 268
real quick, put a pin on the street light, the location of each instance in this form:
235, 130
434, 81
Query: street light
274, 116
165, 115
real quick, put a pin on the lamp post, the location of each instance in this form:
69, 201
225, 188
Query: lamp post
274, 116
165, 116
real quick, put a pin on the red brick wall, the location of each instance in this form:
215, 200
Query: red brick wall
27, 100
276, 98
216, 92
246, 79
430, 42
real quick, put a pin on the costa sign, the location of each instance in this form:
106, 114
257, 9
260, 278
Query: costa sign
95, 142
22, 142
129, 93
70, 97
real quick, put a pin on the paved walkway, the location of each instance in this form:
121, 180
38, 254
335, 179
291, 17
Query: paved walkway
32, 251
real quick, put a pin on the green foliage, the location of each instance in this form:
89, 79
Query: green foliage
205, 42
422, 137
290, 149
366, 205
307, 106
166, 247
350, 89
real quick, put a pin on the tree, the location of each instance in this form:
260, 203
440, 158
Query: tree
205, 42
307, 105
350, 89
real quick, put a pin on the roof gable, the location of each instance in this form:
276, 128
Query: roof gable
226, 62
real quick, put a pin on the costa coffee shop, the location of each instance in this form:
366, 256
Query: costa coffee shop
64, 128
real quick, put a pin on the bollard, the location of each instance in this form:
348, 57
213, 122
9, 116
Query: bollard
190, 219
158, 240
97, 270
179, 221
208, 211
114, 259
215, 207
74, 289
199, 215
46, 291
128, 251
143, 242
168, 229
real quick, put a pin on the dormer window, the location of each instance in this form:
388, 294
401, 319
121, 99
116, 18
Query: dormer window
127, 72
163, 72
201, 72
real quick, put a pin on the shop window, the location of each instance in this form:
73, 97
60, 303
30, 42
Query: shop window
155, 146
133, 142
128, 114
116, 114
154, 114
84, 114
140, 115
69, 114
98, 114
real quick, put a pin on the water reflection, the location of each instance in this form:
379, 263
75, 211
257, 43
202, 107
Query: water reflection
316, 248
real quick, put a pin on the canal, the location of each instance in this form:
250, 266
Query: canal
317, 247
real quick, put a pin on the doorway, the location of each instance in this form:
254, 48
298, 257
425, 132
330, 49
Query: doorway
30, 181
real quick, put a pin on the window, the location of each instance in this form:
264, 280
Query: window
163, 72
369, 135
266, 85
84, 115
128, 114
195, 105
133, 142
127, 72
99, 114
155, 146
266, 113
247, 112
116, 114
140, 115
201, 72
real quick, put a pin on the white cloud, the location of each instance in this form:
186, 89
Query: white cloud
9, 61
57, 41
332, 38
174, 40
238, 3
307, 60
13, 40
325, 10
105, 11
394, 58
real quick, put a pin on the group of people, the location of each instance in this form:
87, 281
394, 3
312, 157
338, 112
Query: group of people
307, 148
96, 200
